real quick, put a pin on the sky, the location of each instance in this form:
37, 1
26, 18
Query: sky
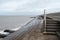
28, 7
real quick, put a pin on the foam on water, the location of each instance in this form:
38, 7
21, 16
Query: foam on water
1, 32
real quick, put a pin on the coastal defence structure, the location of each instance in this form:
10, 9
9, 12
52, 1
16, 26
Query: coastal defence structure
36, 29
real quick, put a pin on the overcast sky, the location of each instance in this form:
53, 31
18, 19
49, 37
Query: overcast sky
28, 7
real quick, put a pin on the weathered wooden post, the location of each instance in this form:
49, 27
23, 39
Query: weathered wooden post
44, 22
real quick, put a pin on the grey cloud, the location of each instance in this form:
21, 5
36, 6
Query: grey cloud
30, 5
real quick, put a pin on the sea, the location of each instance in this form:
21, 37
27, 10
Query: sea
13, 22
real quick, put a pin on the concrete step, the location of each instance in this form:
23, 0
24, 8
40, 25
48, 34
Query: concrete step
53, 24
51, 20
52, 30
49, 33
52, 27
